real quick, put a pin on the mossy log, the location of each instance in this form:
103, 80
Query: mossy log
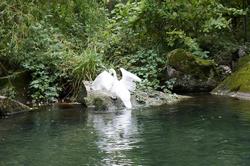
9, 106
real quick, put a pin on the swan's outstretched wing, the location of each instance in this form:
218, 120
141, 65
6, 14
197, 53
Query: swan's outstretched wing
129, 79
103, 81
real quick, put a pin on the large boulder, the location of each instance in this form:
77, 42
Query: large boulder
190, 73
104, 101
238, 83
9, 107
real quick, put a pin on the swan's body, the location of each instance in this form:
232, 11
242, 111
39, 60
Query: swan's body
120, 88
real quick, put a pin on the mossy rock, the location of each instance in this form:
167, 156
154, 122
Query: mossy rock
187, 63
239, 81
243, 62
194, 74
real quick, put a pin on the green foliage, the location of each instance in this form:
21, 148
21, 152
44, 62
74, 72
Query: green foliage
8, 91
43, 54
146, 30
166, 24
182, 39
44, 88
84, 67
50, 41
239, 81
62, 43
169, 84
147, 64
51, 58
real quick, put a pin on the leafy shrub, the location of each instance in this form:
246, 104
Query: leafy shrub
147, 64
51, 59
8, 91
51, 43
43, 54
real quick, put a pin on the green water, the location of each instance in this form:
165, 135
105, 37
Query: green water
205, 130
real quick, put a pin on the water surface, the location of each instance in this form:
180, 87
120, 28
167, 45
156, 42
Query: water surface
204, 130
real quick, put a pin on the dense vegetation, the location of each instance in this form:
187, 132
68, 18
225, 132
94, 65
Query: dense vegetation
61, 43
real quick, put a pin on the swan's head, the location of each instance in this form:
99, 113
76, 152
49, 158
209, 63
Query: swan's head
112, 72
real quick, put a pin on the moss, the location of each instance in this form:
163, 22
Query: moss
242, 62
239, 81
187, 63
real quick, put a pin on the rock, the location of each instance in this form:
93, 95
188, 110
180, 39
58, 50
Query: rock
238, 83
10, 107
100, 100
72, 93
72, 106
153, 98
171, 72
81, 94
104, 101
226, 70
242, 51
191, 73
231, 55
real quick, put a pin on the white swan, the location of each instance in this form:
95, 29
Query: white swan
121, 88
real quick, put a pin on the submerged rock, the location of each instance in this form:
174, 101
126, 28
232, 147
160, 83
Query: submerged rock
191, 73
103, 101
238, 83
9, 106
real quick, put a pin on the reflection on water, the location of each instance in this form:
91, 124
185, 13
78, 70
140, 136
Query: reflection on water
117, 133
205, 130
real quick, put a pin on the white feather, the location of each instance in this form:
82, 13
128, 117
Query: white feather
103, 81
122, 92
120, 88
129, 79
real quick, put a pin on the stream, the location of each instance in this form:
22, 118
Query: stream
204, 130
